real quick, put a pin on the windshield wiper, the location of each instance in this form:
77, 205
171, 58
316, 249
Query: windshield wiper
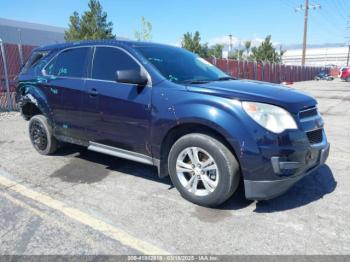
203, 81
225, 78
193, 81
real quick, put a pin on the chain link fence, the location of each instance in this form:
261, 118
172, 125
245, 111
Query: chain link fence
12, 57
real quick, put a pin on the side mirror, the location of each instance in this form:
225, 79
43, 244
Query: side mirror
132, 76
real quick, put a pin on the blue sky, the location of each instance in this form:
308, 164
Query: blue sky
243, 19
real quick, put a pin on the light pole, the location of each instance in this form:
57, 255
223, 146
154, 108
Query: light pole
20, 46
230, 45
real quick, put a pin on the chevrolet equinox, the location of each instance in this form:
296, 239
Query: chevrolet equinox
167, 107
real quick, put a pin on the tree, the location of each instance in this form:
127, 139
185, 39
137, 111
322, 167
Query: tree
238, 54
247, 46
192, 42
216, 50
91, 25
266, 52
205, 51
145, 33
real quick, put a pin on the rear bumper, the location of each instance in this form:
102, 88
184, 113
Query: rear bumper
263, 190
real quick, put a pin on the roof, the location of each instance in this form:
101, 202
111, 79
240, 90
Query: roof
99, 42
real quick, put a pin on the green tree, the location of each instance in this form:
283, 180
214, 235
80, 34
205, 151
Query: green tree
205, 51
247, 46
192, 42
145, 33
237, 54
91, 25
266, 52
216, 50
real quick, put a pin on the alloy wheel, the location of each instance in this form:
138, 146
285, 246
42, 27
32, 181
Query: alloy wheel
197, 171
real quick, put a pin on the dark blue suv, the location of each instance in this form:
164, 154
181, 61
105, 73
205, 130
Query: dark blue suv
164, 106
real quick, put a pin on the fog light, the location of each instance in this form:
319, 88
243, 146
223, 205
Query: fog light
282, 167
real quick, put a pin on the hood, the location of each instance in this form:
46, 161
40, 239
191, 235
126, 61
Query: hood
256, 91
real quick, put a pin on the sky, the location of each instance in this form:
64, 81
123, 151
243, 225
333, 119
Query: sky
215, 20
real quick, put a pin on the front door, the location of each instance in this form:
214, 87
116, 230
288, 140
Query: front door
121, 115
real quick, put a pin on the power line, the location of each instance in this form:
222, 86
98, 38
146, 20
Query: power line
335, 27
286, 3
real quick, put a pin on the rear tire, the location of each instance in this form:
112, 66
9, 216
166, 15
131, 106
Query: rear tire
347, 79
41, 135
203, 169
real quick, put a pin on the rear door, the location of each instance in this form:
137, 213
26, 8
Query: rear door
65, 78
119, 113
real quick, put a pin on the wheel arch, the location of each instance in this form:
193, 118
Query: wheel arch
32, 101
187, 128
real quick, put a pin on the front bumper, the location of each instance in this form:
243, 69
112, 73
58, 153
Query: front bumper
263, 190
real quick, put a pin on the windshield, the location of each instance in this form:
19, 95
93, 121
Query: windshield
181, 66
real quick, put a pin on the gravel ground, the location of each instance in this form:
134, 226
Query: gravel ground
9, 116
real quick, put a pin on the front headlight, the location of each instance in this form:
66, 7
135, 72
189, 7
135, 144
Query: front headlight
273, 118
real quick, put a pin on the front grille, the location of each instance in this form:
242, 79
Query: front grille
315, 136
308, 113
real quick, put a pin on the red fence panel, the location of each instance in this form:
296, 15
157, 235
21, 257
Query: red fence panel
275, 73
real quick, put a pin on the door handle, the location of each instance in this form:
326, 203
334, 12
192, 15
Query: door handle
93, 92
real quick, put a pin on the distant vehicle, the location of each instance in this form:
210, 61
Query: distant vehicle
345, 74
341, 70
165, 106
323, 76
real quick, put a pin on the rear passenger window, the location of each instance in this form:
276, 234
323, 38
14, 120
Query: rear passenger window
108, 60
70, 63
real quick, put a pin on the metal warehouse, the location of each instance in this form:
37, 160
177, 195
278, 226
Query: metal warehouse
18, 32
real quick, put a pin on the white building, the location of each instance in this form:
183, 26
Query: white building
15, 32
321, 56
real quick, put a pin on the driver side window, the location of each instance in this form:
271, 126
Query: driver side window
107, 60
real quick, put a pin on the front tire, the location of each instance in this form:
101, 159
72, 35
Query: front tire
203, 169
347, 79
41, 135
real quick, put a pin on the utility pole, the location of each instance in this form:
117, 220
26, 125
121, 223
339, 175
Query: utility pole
347, 63
306, 8
230, 45
306, 16
348, 37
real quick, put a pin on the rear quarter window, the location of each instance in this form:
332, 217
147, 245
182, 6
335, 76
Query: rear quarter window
36, 60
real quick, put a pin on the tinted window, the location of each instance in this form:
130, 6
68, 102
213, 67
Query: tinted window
108, 60
69, 63
179, 65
